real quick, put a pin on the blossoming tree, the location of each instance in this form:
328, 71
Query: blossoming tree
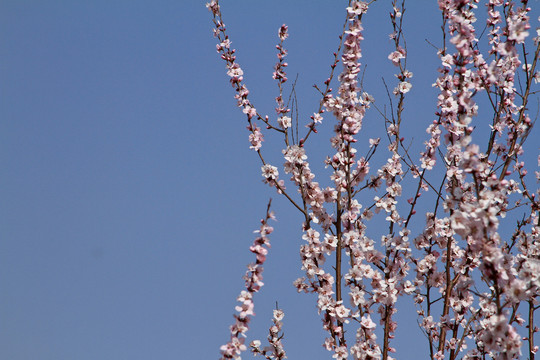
475, 283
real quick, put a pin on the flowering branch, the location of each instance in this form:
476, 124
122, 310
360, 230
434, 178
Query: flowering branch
253, 277
275, 349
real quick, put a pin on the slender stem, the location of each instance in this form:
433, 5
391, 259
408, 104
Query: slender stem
521, 117
531, 330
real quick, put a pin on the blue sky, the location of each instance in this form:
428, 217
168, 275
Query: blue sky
129, 192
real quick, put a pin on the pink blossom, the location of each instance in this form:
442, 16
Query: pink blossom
340, 353
282, 33
367, 323
396, 56
357, 8
269, 172
342, 312
403, 88
285, 122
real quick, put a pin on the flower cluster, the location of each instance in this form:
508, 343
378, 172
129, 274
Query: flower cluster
275, 350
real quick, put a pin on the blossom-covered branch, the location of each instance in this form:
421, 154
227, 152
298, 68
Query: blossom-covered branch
253, 278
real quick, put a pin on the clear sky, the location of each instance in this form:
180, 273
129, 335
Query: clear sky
128, 190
